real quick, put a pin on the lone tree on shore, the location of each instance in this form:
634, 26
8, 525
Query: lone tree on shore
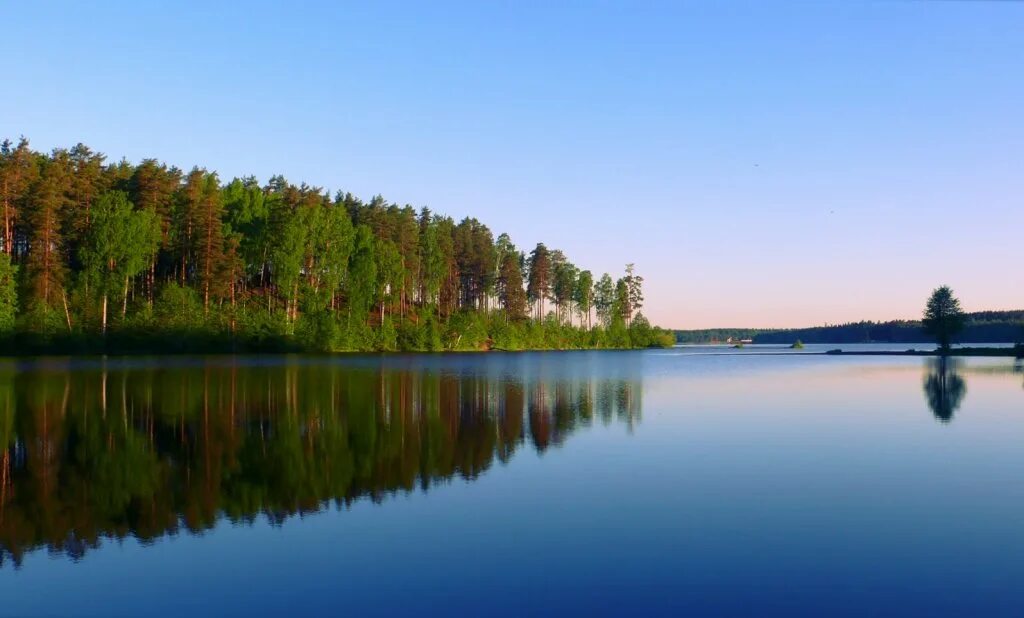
943, 317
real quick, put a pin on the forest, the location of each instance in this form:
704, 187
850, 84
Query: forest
716, 335
979, 327
119, 257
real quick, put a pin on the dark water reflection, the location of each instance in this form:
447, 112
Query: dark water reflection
134, 449
944, 387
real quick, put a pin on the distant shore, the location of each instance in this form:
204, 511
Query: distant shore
1014, 352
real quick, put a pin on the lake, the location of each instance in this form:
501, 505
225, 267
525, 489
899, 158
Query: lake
648, 482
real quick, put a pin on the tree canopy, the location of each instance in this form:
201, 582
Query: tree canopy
191, 262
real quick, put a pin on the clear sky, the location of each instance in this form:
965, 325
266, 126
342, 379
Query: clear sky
762, 163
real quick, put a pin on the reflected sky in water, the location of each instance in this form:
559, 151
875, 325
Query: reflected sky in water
613, 482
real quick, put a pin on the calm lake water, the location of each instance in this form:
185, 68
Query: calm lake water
537, 483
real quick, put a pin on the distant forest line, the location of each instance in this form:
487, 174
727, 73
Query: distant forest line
980, 327
121, 257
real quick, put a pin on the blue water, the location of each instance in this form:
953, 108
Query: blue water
655, 482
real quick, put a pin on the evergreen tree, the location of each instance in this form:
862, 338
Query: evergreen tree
45, 263
510, 286
152, 187
539, 285
634, 292
943, 317
563, 287
86, 181
209, 225
18, 171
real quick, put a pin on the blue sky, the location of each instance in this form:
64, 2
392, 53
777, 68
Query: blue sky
763, 164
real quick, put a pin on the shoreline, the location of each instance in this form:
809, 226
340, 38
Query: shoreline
17, 356
1014, 352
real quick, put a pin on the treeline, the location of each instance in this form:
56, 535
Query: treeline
716, 335
123, 257
979, 327
96, 454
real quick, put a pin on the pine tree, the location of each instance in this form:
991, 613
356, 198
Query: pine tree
18, 171
943, 317
563, 285
86, 182
45, 263
634, 291
209, 226
539, 285
152, 188
510, 286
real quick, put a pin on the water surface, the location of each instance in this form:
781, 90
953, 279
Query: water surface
540, 483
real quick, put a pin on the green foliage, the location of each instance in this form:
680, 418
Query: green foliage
316, 331
431, 334
8, 293
387, 336
618, 335
41, 320
466, 330
604, 299
184, 262
539, 286
583, 294
119, 243
362, 279
179, 308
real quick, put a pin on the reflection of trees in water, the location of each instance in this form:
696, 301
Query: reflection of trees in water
944, 388
147, 452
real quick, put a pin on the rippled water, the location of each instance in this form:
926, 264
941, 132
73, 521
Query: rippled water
479, 484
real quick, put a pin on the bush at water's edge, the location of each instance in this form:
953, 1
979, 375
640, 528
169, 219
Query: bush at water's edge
270, 333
